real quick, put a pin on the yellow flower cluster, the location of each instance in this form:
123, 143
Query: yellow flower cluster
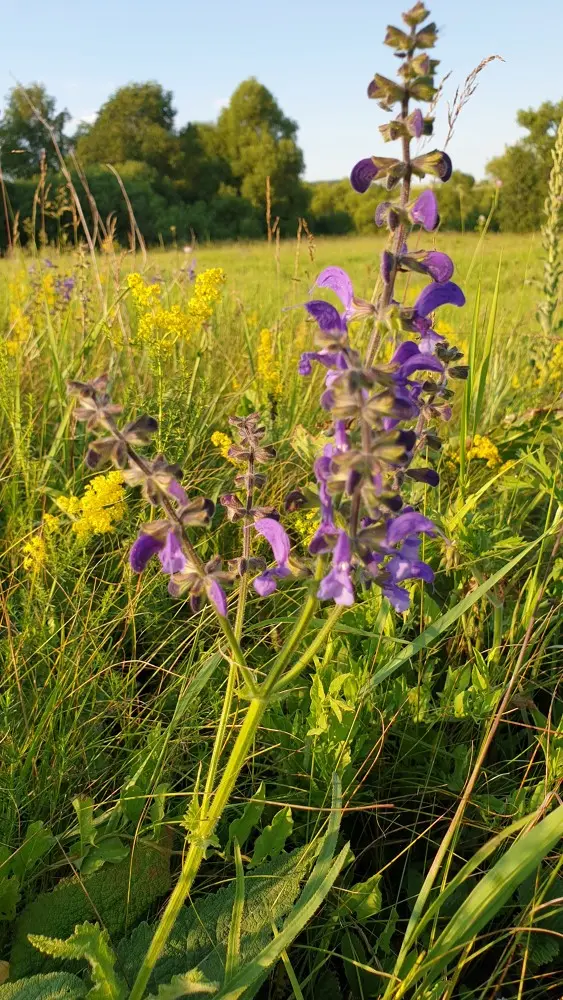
306, 523
51, 524
20, 324
34, 554
555, 364
99, 508
483, 447
144, 295
207, 290
223, 443
48, 285
267, 368
162, 327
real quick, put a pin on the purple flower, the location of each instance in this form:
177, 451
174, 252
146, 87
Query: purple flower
410, 522
411, 359
330, 359
398, 597
337, 584
142, 550
162, 542
415, 123
327, 316
277, 537
387, 265
438, 265
363, 173
217, 596
431, 298
406, 565
386, 214
424, 211
323, 538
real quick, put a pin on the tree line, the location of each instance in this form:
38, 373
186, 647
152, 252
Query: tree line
222, 180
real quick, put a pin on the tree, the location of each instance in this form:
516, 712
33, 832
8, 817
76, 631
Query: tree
258, 141
23, 138
135, 123
523, 170
201, 170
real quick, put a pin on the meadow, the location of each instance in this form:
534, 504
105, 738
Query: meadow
443, 723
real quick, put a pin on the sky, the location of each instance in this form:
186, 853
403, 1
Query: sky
316, 58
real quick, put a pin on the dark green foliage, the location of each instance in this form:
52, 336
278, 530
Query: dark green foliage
53, 986
23, 139
200, 935
117, 895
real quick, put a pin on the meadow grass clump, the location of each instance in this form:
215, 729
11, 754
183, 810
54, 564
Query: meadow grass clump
281, 598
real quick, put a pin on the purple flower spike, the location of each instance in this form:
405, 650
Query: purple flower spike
339, 282
387, 264
216, 595
171, 556
142, 550
433, 296
424, 211
337, 584
409, 523
363, 173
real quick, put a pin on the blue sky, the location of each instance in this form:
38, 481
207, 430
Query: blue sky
317, 58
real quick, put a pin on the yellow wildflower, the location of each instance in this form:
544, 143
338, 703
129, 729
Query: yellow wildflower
144, 295
207, 290
555, 364
515, 382
267, 369
161, 328
222, 442
99, 508
35, 554
48, 284
483, 447
306, 523
51, 523
506, 466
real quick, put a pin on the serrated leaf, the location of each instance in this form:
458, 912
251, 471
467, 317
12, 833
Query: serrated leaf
53, 986
273, 837
91, 943
241, 828
186, 984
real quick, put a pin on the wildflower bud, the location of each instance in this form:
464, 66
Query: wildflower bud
140, 431
107, 450
416, 15
426, 37
397, 39
386, 92
436, 163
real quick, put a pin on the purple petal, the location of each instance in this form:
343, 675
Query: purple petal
321, 540
171, 556
381, 213
340, 435
397, 597
342, 550
387, 264
143, 549
429, 339
438, 265
363, 173
328, 318
415, 123
177, 491
424, 211
420, 362
339, 282
404, 351
276, 536
266, 583
216, 595
338, 587
408, 523
330, 359
433, 296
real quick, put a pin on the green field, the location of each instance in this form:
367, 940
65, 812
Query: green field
102, 680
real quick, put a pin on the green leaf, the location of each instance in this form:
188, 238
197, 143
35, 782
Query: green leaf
241, 828
356, 966
9, 896
133, 801
233, 942
273, 837
38, 840
364, 898
186, 984
494, 890
53, 986
84, 809
112, 850
91, 943
320, 882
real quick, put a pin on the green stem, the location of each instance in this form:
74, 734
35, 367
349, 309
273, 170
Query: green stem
238, 655
308, 655
197, 848
299, 629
